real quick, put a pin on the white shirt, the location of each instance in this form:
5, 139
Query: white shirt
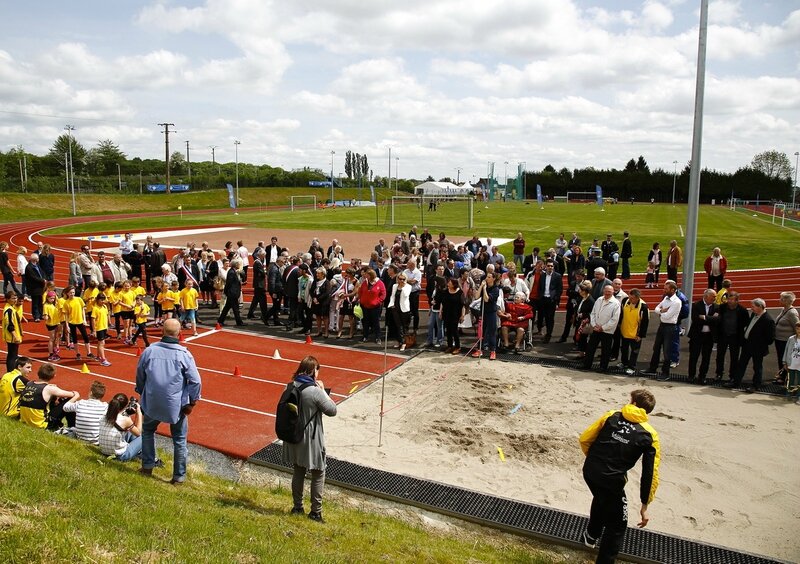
88, 414
22, 262
606, 314
706, 328
415, 275
669, 309
126, 246
244, 254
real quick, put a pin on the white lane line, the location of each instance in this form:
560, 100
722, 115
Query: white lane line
542, 228
681, 228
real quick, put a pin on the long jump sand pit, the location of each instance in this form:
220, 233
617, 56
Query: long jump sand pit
729, 469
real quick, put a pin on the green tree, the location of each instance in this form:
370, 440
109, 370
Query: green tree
641, 165
630, 166
61, 147
348, 164
108, 155
177, 163
773, 164
364, 165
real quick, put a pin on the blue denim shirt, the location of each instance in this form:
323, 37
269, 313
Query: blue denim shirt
167, 379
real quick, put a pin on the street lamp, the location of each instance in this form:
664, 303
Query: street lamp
236, 144
396, 173
71, 170
458, 175
674, 176
389, 176
119, 177
332, 197
796, 162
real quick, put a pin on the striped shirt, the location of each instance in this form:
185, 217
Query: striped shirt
88, 414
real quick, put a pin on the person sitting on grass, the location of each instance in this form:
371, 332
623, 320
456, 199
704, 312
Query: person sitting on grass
88, 413
121, 430
41, 404
11, 385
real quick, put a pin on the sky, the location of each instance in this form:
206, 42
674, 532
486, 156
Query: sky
448, 85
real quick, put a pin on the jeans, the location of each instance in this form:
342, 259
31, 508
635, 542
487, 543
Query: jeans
133, 450
662, 346
179, 431
435, 328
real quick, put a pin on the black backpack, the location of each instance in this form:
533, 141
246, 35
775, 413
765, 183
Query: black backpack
289, 424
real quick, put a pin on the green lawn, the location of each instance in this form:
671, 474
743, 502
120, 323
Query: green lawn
63, 502
747, 242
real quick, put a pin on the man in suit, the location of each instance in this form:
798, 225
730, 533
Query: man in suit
291, 285
35, 283
275, 288
704, 315
273, 251
625, 255
758, 336
380, 247
259, 286
550, 288
530, 261
731, 324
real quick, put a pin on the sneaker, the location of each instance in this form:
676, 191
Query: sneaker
297, 511
476, 354
104, 362
78, 356
316, 516
158, 463
90, 355
378, 342
630, 372
403, 347
492, 355
620, 365
673, 364
51, 357
589, 541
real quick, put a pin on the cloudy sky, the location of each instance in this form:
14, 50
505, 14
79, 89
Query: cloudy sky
446, 83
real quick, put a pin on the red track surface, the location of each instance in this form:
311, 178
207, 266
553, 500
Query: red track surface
235, 415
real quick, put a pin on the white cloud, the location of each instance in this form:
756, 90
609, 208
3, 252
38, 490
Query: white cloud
724, 12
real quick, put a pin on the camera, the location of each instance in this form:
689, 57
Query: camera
133, 405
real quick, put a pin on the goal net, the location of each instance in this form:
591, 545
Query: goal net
430, 211
304, 202
582, 196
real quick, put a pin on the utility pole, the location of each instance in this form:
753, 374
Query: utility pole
213, 158
71, 170
188, 163
166, 147
236, 144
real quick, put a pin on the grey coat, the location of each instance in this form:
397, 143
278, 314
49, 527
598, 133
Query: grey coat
310, 453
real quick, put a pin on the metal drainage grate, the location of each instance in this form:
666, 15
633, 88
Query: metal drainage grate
517, 517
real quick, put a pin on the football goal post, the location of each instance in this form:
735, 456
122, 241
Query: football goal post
581, 196
304, 202
779, 210
431, 211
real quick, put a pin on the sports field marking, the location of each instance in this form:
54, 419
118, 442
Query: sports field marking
117, 237
681, 228
203, 334
541, 228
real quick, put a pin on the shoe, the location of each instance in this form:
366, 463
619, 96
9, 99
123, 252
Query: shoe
448, 350
663, 378
650, 373
562, 340
240, 324
316, 516
378, 342
90, 355
589, 541
175, 482
475, 354
104, 362
492, 355
297, 511
159, 463
195, 334
546, 339
456, 351
403, 347
78, 356
612, 359
364, 340
630, 372
673, 364
619, 364
56, 358
702, 381
729, 384
517, 351
146, 471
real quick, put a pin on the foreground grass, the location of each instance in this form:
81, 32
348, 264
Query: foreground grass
61, 501
747, 242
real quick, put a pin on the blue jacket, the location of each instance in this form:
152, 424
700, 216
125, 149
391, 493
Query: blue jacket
167, 379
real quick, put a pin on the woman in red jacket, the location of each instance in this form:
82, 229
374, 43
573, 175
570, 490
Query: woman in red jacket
516, 316
371, 293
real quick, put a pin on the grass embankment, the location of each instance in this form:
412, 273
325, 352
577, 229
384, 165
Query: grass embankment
746, 241
63, 502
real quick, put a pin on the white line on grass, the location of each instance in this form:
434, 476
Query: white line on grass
681, 228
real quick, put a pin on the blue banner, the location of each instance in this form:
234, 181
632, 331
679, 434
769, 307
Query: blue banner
163, 187
539, 194
599, 190
231, 197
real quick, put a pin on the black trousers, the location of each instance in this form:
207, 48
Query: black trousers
230, 304
11, 356
715, 282
259, 300
758, 365
662, 347
630, 352
728, 343
451, 331
414, 299
547, 317
700, 347
569, 322
672, 274
274, 311
141, 329
608, 517
595, 339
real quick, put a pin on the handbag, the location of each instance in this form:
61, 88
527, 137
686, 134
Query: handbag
586, 328
358, 311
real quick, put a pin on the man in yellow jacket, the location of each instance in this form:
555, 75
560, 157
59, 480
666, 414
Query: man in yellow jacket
612, 445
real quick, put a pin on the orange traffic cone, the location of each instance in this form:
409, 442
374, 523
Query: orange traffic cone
236, 372
217, 327
308, 340
138, 351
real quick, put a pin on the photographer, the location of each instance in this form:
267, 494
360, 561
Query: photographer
120, 429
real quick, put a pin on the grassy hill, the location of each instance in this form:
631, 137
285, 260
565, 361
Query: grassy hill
63, 502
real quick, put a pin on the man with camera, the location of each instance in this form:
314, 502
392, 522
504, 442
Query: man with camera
169, 386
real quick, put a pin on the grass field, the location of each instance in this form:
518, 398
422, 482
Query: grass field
747, 241
63, 502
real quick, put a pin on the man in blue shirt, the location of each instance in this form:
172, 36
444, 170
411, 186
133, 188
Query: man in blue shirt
169, 385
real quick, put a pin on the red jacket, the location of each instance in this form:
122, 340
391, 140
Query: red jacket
371, 296
723, 265
516, 311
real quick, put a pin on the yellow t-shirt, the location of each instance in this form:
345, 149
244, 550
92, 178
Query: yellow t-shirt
11, 386
52, 312
188, 298
10, 314
89, 294
138, 291
113, 301
126, 300
167, 299
141, 313
629, 328
100, 316
74, 311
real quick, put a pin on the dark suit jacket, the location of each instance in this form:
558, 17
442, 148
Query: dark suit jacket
274, 280
627, 249
259, 276
528, 263
698, 309
34, 281
556, 286
761, 335
742, 319
233, 285
290, 281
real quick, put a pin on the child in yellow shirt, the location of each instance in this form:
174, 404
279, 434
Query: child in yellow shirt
167, 301
141, 310
52, 320
126, 298
101, 316
75, 315
188, 300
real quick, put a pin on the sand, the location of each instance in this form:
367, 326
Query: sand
729, 469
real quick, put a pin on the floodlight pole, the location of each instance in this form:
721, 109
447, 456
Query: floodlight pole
188, 163
71, 171
119, 178
697, 143
236, 144
333, 200
674, 177
396, 173
458, 174
389, 176
794, 188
